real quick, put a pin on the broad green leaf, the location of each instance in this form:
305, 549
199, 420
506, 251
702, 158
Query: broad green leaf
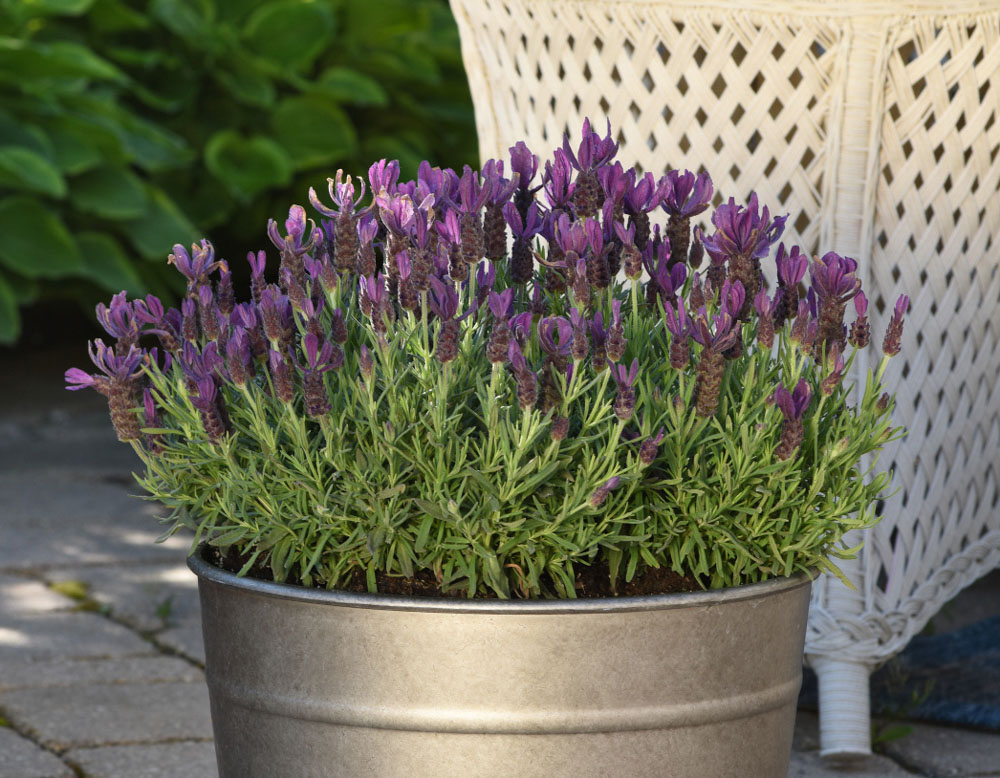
111, 16
34, 242
247, 166
164, 224
53, 7
26, 290
247, 87
32, 61
107, 264
150, 146
72, 151
10, 319
350, 86
110, 191
27, 169
16, 133
191, 20
313, 130
291, 33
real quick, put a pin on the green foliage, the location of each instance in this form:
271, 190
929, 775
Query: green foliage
436, 467
129, 125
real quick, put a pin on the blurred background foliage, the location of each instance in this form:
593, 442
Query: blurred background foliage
129, 125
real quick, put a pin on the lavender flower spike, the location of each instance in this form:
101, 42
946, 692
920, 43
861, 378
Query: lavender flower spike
894, 332
601, 492
625, 401
793, 407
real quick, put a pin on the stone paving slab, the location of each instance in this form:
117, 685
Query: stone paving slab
807, 763
63, 672
20, 758
167, 760
55, 517
948, 752
22, 596
149, 598
186, 640
110, 714
66, 635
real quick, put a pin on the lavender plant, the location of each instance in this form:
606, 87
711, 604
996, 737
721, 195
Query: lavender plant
449, 377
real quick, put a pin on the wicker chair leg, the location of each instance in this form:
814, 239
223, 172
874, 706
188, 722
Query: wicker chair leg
844, 712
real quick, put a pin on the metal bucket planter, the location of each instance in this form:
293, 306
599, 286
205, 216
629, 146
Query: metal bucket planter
309, 683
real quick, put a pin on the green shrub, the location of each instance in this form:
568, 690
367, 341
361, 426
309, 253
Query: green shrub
129, 125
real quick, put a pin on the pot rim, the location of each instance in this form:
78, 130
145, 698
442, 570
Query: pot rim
206, 571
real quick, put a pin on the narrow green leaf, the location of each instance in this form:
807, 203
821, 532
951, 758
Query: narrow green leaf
26, 169
34, 242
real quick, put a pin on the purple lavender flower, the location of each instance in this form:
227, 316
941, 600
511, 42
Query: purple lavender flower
599, 335
319, 359
119, 383
152, 419
631, 255
499, 191
166, 326
383, 176
521, 260
197, 267
601, 492
497, 346
207, 313
593, 153
625, 379
894, 332
834, 283
527, 381
120, 321
444, 304
793, 406
860, 329
238, 358
281, 376
555, 336
472, 197
581, 345
598, 271
679, 327
715, 340
791, 270
835, 361
683, 196
649, 447
766, 311
209, 405
525, 165
743, 236
616, 333
556, 182
641, 197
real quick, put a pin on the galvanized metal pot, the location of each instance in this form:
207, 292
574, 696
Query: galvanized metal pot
308, 683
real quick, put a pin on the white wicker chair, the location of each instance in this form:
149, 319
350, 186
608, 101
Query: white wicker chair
876, 125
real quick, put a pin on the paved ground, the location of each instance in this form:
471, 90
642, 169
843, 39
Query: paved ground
100, 642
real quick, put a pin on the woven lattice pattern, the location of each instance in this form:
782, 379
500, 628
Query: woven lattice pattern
936, 231
877, 127
739, 92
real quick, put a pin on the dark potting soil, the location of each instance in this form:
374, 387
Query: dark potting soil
592, 581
